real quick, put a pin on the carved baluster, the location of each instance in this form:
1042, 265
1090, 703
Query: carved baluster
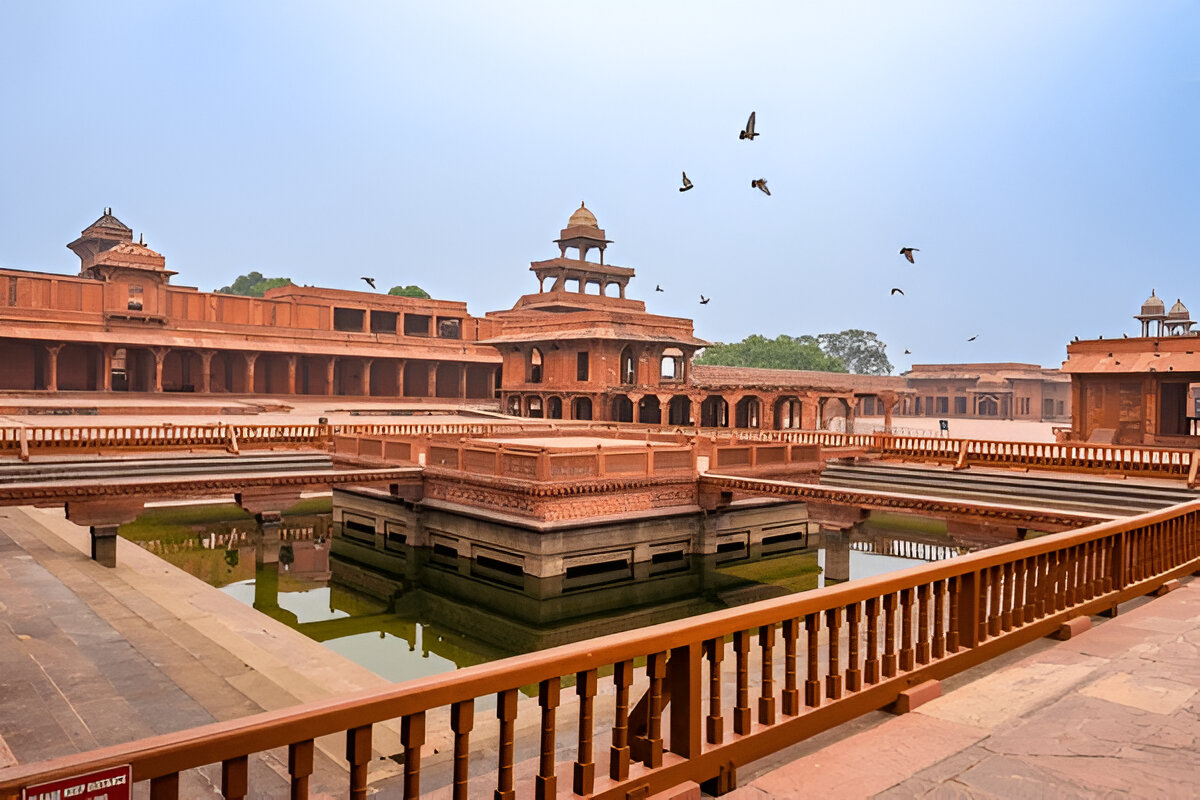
656, 669
358, 754
952, 642
889, 635
462, 722
924, 645
234, 778
506, 712
853, 672
300, 766
618, 764
741, 710
1063, 596
412, 736
585, 764
833, 679
812, 686
939, 619
994, 588
715, 723
791, 694
165, 787
871, 668
766, 697
907, 659
545, 785
1006, 598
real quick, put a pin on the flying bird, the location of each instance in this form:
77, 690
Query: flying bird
686, 183
761, 185
370, 282
908, 352
657, 288
749, 132
973, 338
703, 300
897, 291
907, 252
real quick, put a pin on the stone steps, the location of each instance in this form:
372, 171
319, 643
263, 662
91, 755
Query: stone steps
12, 473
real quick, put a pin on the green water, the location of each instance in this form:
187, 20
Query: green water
418, 634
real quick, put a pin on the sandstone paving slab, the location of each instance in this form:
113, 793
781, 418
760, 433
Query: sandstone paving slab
1156, 695
1034, 777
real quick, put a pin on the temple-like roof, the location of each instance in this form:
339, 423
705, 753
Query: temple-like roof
583, 217
1154, 306
107, 220
130, 255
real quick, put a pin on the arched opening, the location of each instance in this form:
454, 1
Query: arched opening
384, 379
581, 408
535, 366
988, 406
714, 412
79, 368
621, 409
747, 412
834, 413
311, 372
182, 371
650, 410
679, 410
227, 373
533, 407
348, 376
554, 408
628, 366
514, 405
671, 366
787, 413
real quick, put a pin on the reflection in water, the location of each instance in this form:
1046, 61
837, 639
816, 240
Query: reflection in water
285, 571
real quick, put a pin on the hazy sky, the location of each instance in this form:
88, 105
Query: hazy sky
1044, 156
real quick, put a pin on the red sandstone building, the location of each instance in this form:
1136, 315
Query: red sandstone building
1138, 390
579, 348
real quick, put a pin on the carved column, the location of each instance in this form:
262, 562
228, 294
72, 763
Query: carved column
400, 377
365, 383
462, 381
291, 379
206, 357
329, 372
160, 356
432, 381
106, 357
251, 360
694, 411
52, 367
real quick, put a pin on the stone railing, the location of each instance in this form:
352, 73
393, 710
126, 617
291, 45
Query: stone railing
825, 656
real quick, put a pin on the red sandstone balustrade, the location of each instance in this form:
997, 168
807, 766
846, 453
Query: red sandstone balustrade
847, 650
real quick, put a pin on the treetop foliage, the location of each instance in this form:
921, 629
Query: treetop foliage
409, 291
849, 351
253, 284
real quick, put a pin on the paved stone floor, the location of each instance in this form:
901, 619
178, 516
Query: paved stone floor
1114, 712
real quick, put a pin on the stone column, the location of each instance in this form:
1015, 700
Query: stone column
52, 367
400, 377
462, 382
365, 382
104, 544
206, 357
329, 372
889, 400
251, 360
694, 412
291, 379
432, 381
106, 357
160, 356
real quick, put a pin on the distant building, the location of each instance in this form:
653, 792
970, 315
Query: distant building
1138, 390
988, 391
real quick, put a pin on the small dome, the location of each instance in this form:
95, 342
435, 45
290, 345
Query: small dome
1178, 311
1153, 306
583, 217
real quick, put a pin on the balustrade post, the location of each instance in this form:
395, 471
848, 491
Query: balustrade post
741, 709
967, 611
234, 778
585, 765
766, 699
506, 712
358, 754
412, 736
462, 721
618, 768
791, 694
300, 767
683, 687
656, 671
545, 784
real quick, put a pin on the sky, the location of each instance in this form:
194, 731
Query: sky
1043, 156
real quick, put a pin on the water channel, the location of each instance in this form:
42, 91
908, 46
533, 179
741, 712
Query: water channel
416, 634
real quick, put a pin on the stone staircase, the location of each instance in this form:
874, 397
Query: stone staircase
160, 466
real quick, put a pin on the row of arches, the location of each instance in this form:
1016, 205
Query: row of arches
672, 366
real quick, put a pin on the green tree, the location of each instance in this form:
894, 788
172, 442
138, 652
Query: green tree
861, 351
409, 291
253, 284
783, 352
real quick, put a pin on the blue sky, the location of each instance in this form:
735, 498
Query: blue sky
1044, 156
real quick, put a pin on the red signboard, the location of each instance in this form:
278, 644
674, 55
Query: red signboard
115, 783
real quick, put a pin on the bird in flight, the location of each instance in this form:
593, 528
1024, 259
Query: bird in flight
761, 185
686, 183
907, 252
973, 338
657, 288
897, 291
749, 132
703, 300
908, 352
370, 282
